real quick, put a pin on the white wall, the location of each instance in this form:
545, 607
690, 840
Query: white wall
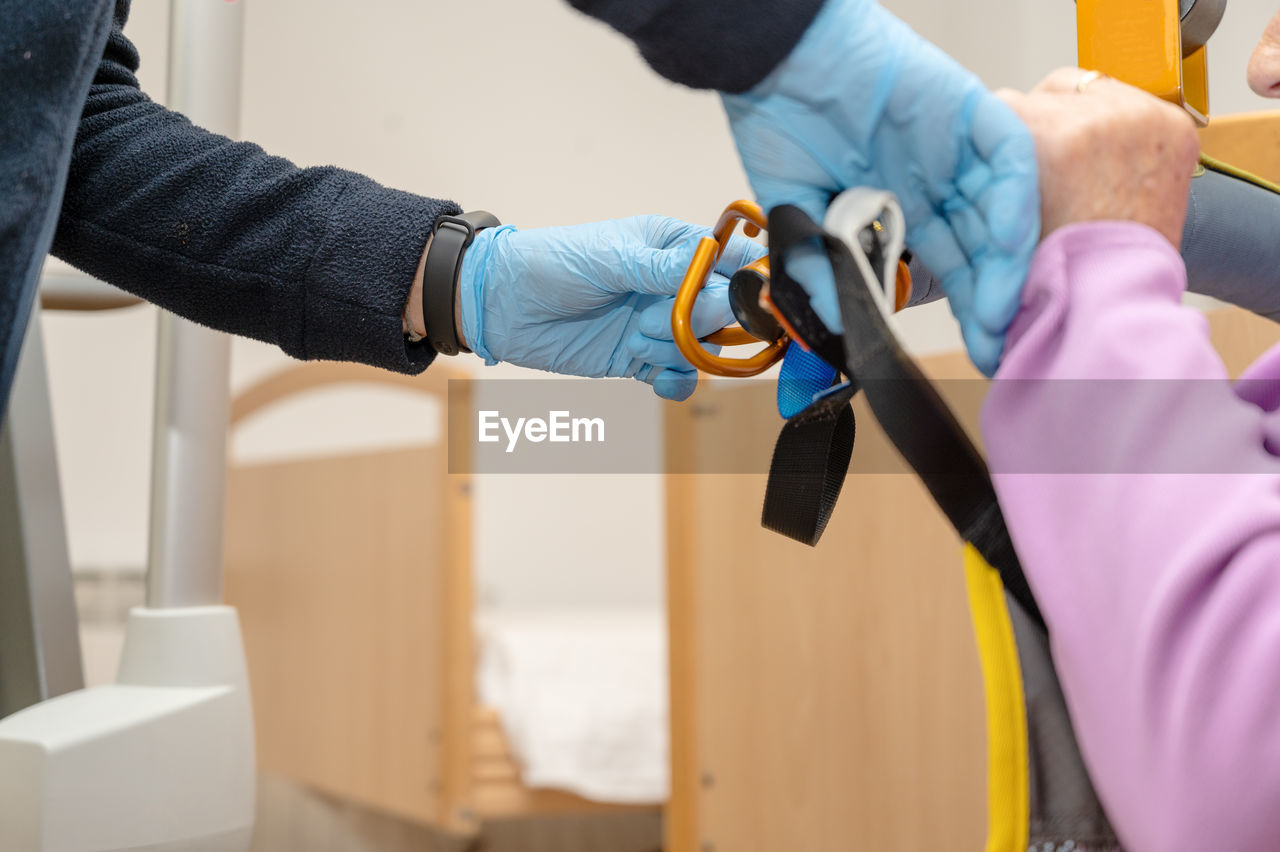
528, 109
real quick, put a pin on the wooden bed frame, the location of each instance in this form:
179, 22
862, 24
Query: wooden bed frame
352, 575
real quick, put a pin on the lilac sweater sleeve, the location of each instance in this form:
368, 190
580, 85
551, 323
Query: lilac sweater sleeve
1147, 515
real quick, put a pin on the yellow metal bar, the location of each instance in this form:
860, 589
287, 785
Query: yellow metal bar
1195, 86
1140, 42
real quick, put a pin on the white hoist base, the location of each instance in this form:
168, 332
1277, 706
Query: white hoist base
162, 760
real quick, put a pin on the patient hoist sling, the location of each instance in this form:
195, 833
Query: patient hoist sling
1040, 796
1039, 793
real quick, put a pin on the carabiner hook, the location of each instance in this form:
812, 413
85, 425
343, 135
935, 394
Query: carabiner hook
760, 321
695, 279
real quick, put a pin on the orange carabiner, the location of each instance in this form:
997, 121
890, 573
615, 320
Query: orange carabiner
704, 260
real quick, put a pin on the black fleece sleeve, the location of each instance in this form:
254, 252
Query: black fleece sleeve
728, 45
318, 261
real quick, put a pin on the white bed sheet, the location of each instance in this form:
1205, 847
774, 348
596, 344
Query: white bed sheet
582, 698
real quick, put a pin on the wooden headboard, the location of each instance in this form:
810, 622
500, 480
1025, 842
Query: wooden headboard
352, 577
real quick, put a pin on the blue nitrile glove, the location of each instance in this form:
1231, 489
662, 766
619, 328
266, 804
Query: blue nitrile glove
863, 101
593, 300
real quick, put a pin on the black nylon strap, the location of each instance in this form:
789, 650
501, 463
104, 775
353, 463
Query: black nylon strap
908, 408
810, 461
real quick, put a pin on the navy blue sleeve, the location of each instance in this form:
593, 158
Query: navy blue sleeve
729, 45
318, 261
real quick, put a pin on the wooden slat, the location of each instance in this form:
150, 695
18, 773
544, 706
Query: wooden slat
681, 828
1250, 141
509, 801
339, 613
822, 699
494, 772
1240, 337
341, 569
310, 375
490, 743
458, 810
496, 789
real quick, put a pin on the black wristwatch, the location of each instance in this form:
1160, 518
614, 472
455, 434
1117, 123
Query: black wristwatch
450, 238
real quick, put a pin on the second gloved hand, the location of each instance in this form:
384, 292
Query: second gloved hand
863, 101
592, 300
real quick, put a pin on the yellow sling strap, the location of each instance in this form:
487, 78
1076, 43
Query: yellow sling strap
1008, 805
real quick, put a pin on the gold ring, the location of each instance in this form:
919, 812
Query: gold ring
1089, 78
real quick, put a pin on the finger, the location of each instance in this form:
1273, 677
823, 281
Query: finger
813, 202
665, 232
662, 353
1010, 96
974, 181
935, 243
1002, 237
741, 251
807, 263
997, 290
682, 237
958, 283
1064, 80
984, 348
654, 272
997, 277
675, 385
711, 312
662, 267
1010, 204
654, 256
812, 199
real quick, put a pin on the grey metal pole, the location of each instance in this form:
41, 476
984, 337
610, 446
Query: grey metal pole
67, 289
39, 641
188, 476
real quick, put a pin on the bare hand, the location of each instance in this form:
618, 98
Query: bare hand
1108, 151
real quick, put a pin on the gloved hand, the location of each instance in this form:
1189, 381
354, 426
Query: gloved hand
863, 101
593, 300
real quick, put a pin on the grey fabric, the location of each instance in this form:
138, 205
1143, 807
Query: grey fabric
1064, 807
1231, 245
1200, 20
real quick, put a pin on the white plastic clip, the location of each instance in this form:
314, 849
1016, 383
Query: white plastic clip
853, 212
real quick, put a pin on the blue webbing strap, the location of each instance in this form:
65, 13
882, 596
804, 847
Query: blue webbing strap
804, 375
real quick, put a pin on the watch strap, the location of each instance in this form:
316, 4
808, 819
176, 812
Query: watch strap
450, 238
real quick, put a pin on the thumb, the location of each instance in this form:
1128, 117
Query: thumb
740, 252
814, 205
813, 200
